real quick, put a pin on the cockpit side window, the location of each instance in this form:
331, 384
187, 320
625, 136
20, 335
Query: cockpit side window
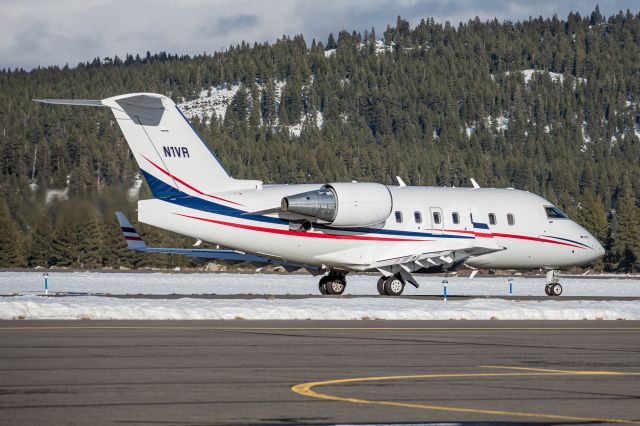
554, 213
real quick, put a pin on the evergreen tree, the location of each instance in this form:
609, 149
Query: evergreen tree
625, 246
11, 250
89, 234
115, 253
64, 245
39, 249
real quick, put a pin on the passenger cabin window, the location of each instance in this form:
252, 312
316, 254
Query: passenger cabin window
418, 217
511, 220
492, 219
399, 217
455, 217
554, 213
436, 218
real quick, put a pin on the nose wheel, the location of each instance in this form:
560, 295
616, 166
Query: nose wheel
332, 284
553, 287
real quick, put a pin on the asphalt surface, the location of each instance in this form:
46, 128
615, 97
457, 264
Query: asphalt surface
242, 372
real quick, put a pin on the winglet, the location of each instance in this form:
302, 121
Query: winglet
474, 183
134, 242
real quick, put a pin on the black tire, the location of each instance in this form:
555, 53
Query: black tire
381, 291
335, 286
556, 289
547, 290
393, 286
322, 285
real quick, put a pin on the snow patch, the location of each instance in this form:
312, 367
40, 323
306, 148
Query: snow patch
134, 192
57, 194
24, 283
329, 53
586, 140
209, 102
381, 47
470, 129
105, 308
23, 300
556, 77
502, 122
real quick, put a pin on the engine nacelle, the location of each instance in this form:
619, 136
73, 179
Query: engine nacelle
343, 204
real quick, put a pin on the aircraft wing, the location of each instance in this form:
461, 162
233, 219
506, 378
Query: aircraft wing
135, 242
440, 261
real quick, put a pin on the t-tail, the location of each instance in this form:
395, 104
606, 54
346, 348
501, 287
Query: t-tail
170, 153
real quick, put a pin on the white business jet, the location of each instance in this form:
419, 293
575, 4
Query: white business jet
333, 228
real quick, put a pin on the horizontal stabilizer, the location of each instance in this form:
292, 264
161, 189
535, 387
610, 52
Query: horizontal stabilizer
134, 242
76, 102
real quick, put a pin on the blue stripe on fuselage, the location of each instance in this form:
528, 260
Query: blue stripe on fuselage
167, 193
570, 241
478, 225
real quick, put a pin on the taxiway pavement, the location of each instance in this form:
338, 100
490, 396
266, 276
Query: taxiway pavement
257, 372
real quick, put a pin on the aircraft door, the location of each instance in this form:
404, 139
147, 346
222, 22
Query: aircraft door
437, 220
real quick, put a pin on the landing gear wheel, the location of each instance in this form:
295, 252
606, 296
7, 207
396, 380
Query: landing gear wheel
556, 289
547, 290
393, 286
332, 285
322, 286
381, 291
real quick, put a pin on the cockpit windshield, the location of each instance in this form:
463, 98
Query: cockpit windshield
554, 213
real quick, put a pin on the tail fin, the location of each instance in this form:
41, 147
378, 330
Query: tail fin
168, 150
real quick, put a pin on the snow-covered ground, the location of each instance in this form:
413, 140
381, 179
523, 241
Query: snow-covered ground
12, 283
22, 299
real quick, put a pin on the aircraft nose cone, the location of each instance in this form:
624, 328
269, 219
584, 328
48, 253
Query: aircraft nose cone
598, 250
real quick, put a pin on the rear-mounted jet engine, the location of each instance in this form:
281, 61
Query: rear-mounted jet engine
349, 204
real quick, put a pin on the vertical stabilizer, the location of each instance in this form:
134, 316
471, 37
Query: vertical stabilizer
170, 153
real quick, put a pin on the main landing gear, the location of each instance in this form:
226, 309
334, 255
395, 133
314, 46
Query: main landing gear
390, 286
553, 287
333, 284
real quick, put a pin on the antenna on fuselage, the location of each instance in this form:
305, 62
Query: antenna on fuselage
474, 183
400, 181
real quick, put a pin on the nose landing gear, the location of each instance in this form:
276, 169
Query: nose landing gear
553, 287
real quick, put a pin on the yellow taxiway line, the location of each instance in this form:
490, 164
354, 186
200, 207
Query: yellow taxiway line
306, 389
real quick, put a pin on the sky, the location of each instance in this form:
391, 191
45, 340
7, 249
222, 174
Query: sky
58, 32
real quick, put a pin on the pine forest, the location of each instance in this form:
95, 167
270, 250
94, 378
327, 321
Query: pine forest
549, 104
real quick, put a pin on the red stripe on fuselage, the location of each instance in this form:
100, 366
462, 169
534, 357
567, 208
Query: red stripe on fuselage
515, 236
132, 238
298, 233
189, 186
